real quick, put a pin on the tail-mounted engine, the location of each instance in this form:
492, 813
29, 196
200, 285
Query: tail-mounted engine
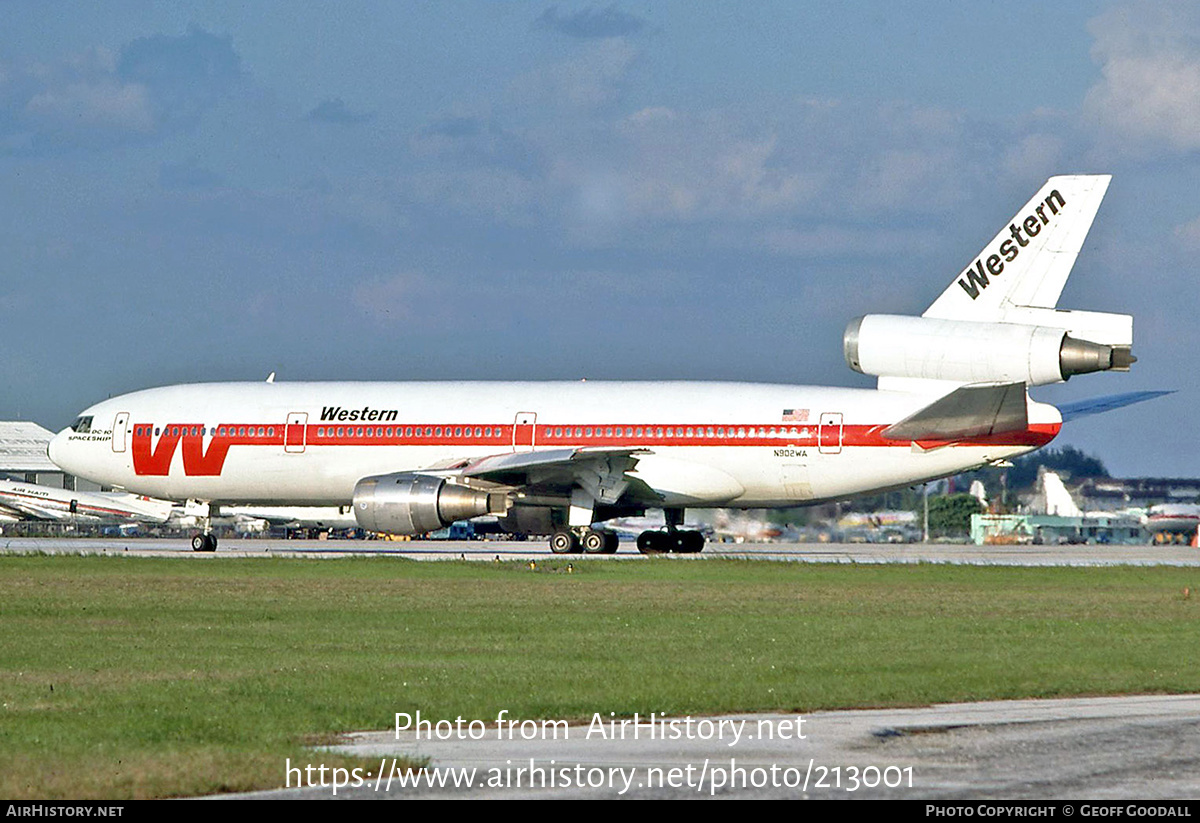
888, 345
407, 503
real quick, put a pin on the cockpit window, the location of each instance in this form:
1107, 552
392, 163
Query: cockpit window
82, 425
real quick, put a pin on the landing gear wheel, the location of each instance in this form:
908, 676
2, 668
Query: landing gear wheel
653, 543
611, 542
691, 542
593, 541
204, 543
564, 542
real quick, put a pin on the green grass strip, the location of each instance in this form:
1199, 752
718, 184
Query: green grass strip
135, 677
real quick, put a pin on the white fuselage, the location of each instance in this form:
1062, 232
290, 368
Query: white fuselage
729, 444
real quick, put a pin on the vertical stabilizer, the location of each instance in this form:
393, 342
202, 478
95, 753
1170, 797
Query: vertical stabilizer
1058, 499
1027, 263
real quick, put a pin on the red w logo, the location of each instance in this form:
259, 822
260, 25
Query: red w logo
197, 462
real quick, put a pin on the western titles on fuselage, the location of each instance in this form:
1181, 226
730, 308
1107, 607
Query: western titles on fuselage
365, 414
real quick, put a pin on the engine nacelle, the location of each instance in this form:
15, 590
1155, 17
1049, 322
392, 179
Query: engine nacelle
888, 345
408, 503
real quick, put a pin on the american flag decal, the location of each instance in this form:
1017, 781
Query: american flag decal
795, 415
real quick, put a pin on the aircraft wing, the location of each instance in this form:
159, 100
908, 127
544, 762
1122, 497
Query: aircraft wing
974, 410
600, 471
25, 510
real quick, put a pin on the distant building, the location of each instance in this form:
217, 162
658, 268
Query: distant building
23, 457
1055, 530
1110, 493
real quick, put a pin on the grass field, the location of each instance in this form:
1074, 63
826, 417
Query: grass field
127, 677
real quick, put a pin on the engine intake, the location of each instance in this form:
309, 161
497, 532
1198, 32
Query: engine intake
887, 345
408, 503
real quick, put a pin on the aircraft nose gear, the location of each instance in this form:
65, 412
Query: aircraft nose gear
204, 543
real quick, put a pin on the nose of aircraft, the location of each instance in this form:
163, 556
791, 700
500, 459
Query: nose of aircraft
56, 448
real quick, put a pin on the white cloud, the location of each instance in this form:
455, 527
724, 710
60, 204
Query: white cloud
1036, 154
840, 241
1188, 235
595, 78
1150, 87
103, 104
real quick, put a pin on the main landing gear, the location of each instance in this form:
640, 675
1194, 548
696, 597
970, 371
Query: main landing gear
204, 543
671, 540
587, 540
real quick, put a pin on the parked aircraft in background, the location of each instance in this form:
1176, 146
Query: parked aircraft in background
1175, 518
30, 501
331, 518
562, 458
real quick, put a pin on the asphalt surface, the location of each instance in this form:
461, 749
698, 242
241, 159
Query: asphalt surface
1117, 748
490, 550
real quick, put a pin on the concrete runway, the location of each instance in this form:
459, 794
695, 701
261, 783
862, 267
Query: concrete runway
1110, 748
489, 550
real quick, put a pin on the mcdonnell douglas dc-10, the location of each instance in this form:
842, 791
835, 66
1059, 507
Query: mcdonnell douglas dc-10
562, 458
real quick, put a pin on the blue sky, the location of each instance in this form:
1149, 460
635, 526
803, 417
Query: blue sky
215, 191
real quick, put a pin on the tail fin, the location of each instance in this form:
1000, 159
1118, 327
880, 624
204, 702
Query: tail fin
1027, 264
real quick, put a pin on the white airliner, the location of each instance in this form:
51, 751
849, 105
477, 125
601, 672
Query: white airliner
561, 458
30, 501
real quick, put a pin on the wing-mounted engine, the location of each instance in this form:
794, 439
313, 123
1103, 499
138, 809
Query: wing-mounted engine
968, 351
411, 503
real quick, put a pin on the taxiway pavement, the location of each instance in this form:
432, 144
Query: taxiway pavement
491, 550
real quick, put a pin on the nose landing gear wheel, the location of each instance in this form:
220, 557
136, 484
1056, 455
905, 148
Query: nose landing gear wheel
204, 543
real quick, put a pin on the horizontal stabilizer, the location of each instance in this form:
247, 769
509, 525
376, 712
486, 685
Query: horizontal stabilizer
1098, 405
974, 410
